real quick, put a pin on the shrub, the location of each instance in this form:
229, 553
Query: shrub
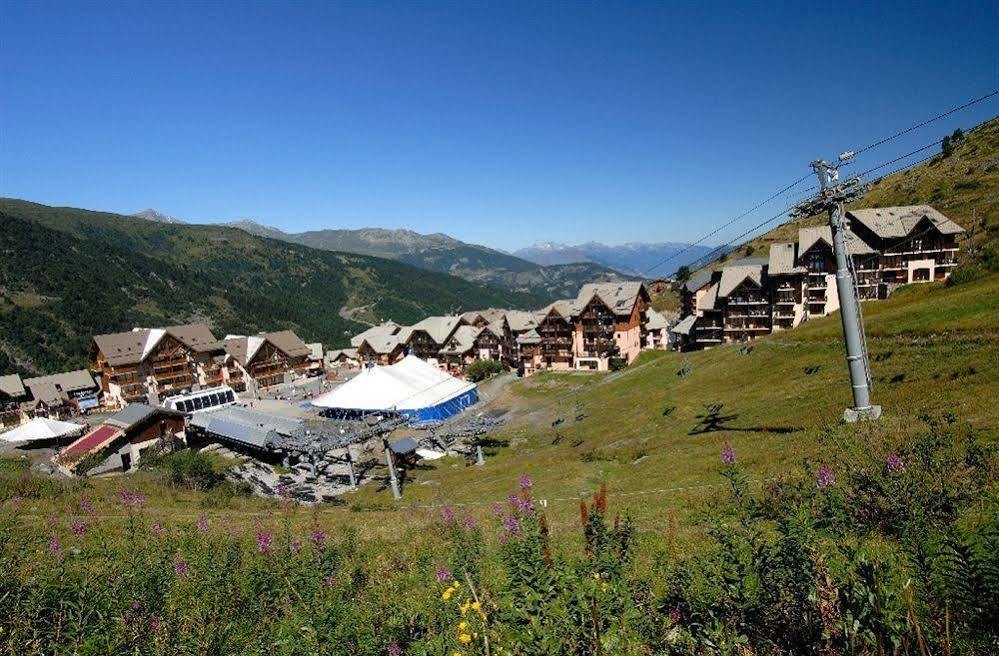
482, 369
189, 469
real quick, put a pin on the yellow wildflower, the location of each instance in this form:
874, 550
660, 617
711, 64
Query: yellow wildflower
447, 594
603, 587
462, 626
464, 638
596, 576
476, 606
464, 607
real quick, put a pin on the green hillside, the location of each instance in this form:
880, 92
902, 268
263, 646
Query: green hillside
67, 274
961, 184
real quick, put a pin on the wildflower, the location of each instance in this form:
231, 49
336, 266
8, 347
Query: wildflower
464, 609
444, 575
476, 606
728, 455
469, 522
295, 546
446, 595
525, 505
525, 482
512, 525
86, 506
596, 576
462, 626
675, 615
603, 587
464, 638
78, 528
329, 581
181, 568
498, 509
318, 539
825, 478
51, 521
54, 547
393, 648
202, 524
895, 463
154, 624
132, 499
447, 514
265, 544
513, 499
157, 527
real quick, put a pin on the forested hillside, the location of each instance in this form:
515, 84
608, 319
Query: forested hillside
66, 274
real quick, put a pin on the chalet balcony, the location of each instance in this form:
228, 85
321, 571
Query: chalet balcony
747, 301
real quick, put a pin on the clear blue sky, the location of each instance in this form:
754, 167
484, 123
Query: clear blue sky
498, 123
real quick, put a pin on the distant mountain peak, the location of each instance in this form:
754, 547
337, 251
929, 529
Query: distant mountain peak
254, 228
153, 215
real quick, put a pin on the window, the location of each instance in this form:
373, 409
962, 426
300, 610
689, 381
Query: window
197, 403
229, 397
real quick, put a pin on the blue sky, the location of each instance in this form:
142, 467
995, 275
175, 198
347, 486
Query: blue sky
498, 123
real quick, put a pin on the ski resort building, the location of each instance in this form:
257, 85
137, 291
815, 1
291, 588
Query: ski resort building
268, 359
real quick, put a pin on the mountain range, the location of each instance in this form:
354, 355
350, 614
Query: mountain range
67, 274
634, 259
445, 254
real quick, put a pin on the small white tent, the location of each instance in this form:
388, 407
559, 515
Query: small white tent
411, 387
40, 429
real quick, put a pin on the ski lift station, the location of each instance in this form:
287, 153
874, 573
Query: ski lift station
411, 387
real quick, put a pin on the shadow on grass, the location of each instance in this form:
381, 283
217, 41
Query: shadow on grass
713, 421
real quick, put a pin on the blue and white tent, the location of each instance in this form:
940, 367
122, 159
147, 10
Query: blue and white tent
410, 387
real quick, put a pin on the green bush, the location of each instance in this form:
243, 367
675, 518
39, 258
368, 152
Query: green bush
189, 468
482, 369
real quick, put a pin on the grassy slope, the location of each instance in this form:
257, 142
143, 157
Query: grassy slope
934, 348
67, 274
962, 186
942, 339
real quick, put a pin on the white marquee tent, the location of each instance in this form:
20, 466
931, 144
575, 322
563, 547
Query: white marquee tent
411, 387
41, 429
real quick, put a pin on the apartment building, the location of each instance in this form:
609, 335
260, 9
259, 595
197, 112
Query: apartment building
888, 247
259, 361
609, 323
145, 364
915, 243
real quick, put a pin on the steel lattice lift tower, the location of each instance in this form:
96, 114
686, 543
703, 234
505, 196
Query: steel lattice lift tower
831, 197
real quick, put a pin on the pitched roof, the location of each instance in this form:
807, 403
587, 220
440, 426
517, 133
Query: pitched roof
521, 321
901, 221
130, 415
782, 259
656, 320
440, 329
530, 337
565, 308
685, 325
733, 276
12, 386
697, 281
133, 346
618, 296
462, 341
707, 301
387, 328
382, 344
243, 348
349, 353
54, 389
808, 237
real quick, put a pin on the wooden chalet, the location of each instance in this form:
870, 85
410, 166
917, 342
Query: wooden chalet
269, 359
609, 321
146, 364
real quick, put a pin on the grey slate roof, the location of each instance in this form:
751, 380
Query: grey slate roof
131, 414
808, 237
901, 221
734, 275
530, 337
462, 341
685, 325
657, 321
782, 259
565, 308
707, 302
383, 344
12, 386
618, 296
387, 328
521, 321
54, 389
440, 329
697, 281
